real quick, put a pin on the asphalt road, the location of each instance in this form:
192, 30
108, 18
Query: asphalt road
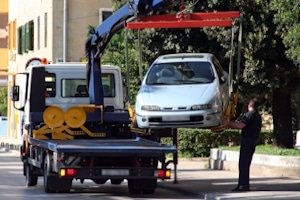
194, 181
12, 186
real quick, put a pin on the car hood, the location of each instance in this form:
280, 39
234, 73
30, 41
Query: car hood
177, 95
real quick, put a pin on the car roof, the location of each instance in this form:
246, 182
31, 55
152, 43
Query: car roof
179, 57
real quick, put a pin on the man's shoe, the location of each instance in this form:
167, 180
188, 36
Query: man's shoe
240, 188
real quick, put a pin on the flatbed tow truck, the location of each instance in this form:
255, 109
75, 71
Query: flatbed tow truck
83, 137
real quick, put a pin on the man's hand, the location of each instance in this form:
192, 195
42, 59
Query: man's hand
225, 122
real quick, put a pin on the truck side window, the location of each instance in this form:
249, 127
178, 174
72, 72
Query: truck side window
108, 81
50, 85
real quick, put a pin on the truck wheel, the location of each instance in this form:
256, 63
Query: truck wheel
47, 170
150, 186
132, 188
31, 179
145, 186
116, 181
52, 182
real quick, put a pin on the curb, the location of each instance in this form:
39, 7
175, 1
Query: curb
9, 146
4, 150
269, 165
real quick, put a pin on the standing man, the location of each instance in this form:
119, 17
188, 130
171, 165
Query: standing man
251, 126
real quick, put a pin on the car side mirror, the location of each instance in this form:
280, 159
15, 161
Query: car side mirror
223, 79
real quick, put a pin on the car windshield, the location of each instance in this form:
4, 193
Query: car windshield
180, 73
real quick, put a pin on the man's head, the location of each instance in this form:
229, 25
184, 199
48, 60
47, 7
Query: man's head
253, 104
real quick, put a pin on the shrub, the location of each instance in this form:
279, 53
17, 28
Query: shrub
198, 142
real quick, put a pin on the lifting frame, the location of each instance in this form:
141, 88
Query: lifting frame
194, 20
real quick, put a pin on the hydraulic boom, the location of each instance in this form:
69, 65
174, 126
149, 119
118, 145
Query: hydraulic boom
101, 35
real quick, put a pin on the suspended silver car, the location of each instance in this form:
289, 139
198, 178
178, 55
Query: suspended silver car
183, 90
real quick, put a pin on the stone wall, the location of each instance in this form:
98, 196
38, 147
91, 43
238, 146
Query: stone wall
266, 165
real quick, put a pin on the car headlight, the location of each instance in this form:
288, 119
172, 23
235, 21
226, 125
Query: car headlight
201, 107
150, 108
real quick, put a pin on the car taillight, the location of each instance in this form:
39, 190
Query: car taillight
67, 172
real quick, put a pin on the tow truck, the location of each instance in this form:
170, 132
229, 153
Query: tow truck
77, 137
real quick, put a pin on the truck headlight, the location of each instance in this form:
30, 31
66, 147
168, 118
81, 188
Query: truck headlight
150, 108
201, 107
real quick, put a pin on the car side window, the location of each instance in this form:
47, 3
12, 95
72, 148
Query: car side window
218, 67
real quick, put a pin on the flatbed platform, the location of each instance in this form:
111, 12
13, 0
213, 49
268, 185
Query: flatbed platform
115, 146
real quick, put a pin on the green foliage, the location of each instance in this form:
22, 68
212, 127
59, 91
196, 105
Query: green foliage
264, 65
198, 142
3, 101
115, 54
268, 149
269, 59
288, 26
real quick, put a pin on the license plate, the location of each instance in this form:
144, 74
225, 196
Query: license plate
115, 172
176, 118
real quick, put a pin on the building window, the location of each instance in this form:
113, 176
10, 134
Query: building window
104, 13
38, 32
46, 29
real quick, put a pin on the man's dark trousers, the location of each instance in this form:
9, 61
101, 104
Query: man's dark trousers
246, 153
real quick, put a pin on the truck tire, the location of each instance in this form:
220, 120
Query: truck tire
48, 187
52, 182
116, 181
31, 179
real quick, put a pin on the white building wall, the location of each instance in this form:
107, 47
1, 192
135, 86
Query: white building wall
80, 14
30, 10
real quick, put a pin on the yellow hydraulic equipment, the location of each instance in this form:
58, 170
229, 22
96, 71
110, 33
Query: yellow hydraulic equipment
229, 113
133, 125
66, 125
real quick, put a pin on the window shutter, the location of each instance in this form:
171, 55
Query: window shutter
27, 37
23, 38
31, 36
20, 40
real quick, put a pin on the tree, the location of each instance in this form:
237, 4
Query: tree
3, 100
287, 19
266, 68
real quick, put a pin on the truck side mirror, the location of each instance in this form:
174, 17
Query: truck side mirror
15, 93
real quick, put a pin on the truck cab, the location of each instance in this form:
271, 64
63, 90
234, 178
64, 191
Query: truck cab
65, 85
